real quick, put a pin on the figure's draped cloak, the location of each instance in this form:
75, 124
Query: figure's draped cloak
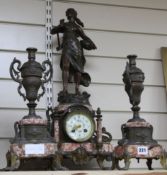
73, 51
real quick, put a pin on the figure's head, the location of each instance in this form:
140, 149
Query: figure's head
71, 14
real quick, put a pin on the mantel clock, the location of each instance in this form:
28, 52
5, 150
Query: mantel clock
76, 127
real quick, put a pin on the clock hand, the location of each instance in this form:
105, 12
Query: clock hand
75, 128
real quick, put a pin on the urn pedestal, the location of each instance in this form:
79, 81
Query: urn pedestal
32, 148
137, 141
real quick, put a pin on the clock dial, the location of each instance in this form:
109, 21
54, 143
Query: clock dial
79, 126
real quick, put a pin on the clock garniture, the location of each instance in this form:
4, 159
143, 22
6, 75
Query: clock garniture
137, 141
33, 148
79, 136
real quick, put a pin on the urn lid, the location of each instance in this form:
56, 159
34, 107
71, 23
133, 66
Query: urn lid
31, 67
132, 72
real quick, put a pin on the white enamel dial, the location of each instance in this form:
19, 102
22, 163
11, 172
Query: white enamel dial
79, 126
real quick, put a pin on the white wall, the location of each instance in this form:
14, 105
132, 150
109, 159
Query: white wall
118, 28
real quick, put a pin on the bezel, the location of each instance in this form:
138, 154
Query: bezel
85, 112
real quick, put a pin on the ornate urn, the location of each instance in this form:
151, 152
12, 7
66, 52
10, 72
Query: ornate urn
137, 141
32, 76
136, 130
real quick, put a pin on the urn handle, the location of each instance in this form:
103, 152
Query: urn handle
15, 74
15, 71
48, 73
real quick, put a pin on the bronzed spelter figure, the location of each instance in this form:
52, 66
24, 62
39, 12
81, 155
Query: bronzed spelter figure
72, 58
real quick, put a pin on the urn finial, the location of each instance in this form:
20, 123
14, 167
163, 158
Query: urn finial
31, 53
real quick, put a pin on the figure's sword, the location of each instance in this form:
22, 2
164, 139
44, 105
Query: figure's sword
58, 38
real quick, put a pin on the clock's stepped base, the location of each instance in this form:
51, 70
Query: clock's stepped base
82, 153
78, 131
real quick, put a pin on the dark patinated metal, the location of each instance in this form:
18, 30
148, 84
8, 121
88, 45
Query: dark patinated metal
31, 75
133, 78
137, 133
72, 58
74, 98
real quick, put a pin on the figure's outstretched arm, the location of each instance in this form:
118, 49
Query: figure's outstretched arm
59, 28
54, 30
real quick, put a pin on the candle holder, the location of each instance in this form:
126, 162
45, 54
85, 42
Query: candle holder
137, 141
32, 148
